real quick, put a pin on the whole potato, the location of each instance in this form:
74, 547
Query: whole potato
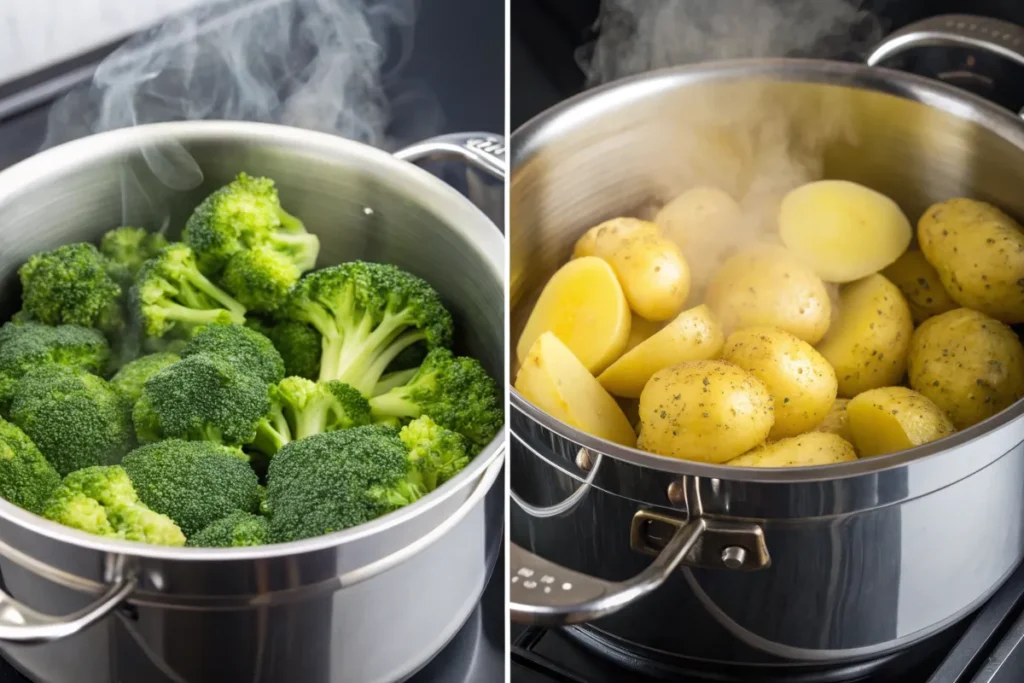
891, 419
978, 252
802, 383
968, 364
868, 344
813, 448
837, 421
709, 410
767, 286
654, 275
920, 284
606, 237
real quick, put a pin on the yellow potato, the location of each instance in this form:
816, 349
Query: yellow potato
705, 410
920, 284
813, 448
607, 237
583, 305
801, 382
868, 345
693, 335
766, 286
640, 330
968, 364
842, 230
891, 419
837, 421
978, 252
555, 381
654, 275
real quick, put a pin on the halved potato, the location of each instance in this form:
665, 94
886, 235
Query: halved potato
640, 330
837, 421
890, 419
813, 448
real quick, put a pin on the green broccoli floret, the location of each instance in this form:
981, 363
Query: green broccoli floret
455, 391
132, 377
76, 419
201, 398
171, 296
26, 478
302, 408
247, 350
102, 501
367, 314
195, 483
237, 530
298, 344
131, 247
72, 285
260, 278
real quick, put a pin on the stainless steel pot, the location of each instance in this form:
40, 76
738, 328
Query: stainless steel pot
806, 567
372, 603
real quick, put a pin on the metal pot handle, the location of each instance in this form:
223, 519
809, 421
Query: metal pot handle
484, 151
960, 30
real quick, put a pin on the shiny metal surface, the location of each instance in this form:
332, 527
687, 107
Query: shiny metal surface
334, 608
959, 30
481, 150
866, 557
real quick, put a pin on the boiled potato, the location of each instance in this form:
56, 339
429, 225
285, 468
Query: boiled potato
767, 286
842, 230
801, 382
705, 410
583, 305
920, 284
979, 253
837, 421
555, 381
693, 335
868, 344
813, 448
703, 223
607, 237
968, 364
890, 419
640, 330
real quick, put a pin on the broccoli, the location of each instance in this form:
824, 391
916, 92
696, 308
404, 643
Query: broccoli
171, 295
247, 350
260, 278
323, 483
201, 398
236, 530
302, 408
131, 247
394, 379
367, 314
195, 483
76, 419
455, 391
26, 478
73, 285
132, 377
102, 501
298, 344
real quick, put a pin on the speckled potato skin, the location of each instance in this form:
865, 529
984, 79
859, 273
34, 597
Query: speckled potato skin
978, 252
802, 383
921, 285
709, 411
606, 237
892, 419
813, 448
968, 364
868, 345
837, 421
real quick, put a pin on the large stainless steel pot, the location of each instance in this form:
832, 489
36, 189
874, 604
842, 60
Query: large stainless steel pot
804, 567
372, 603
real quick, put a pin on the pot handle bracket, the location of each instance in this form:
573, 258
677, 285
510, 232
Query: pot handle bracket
483, 151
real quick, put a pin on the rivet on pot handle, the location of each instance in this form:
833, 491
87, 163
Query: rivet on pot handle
961, 30
484, 151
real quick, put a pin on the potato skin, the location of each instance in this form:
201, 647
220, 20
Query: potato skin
607, 237
813, 448
892, 419
978, 252
802, 383
709, 411
868, 345
968, 364
920, 284
837, 421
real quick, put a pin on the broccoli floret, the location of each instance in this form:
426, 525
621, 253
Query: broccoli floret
171, 296
237, 530
76, 419
247, 350
260, 278
302, 408
298, 344
201, 398
102, 501
195, 483
72, 285
131, 247
323, 483
367, 314
132, 377
455, 391
26, 478
436, 454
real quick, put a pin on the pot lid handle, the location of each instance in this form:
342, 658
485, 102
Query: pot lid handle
960, 30
484, 151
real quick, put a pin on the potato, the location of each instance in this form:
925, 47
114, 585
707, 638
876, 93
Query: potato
837, 421
978, 252
583, 305
705, 410
703, 223
813, 448
606, 237
891, 419
640, 330
766, 286
801, 382
968, 364
868, 344
842, 230
555, 381
920, 284
693, 335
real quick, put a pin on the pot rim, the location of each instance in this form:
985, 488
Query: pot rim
575, 112
485, 238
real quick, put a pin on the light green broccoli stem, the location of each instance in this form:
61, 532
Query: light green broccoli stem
363, 352
393, 405
195, 279
303, 247
272, 432
193, 316
393, 380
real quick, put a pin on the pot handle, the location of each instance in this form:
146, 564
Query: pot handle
960, 30
483, 151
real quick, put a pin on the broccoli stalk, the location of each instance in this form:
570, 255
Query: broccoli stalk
302, 408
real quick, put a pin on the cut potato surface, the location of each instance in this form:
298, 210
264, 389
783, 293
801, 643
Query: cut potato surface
813, 448
920, 284
837, 421
891, 419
